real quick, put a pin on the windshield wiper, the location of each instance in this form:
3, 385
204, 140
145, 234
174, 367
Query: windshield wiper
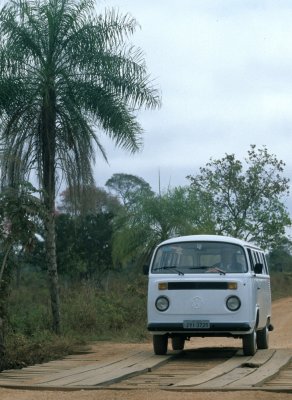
212, 269
171, 267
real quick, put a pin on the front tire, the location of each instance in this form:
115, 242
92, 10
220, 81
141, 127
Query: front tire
249, 344
263, 338
160, 343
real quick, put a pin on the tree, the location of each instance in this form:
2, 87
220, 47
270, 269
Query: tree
20, 214
153, 218
66, 73
280, 258
127, 187
246, 198
84, 246
88, 200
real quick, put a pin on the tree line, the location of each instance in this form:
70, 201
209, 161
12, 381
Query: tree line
99, 230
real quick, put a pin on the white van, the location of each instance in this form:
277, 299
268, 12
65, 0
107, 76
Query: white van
208, 285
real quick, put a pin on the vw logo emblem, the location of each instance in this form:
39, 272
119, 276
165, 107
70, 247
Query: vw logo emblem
197, 302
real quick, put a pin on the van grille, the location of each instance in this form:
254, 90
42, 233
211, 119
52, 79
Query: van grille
198, 285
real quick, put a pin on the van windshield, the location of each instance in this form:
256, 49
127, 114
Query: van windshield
199, 257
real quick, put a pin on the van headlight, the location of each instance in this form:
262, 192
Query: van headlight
162, 303
233, 303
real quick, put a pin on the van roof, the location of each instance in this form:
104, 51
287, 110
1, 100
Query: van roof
208, 238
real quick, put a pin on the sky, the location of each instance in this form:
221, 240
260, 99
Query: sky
224, 71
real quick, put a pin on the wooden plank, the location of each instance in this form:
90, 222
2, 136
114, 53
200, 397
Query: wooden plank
224, 380
95, 368
102, 373
229, 371
40, 372
283, 379
213, 373
242, 371
186, 365
124, 371
266, 371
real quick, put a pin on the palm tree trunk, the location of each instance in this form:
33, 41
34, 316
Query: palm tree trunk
6, 254
2, 343
4, 283
51, 259
48, 137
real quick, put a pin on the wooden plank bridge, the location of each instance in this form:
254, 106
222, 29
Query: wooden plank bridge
200, 369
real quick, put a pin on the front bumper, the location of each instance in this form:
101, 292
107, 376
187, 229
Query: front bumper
223, 328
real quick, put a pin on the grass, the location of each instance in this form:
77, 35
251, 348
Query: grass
117, 313
281, 284
88, 314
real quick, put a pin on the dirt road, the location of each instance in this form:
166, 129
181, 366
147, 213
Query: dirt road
281, 337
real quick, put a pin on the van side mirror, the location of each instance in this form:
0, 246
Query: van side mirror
258, 268
145, 269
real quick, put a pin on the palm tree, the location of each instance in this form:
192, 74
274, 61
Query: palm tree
142, 224
67, 74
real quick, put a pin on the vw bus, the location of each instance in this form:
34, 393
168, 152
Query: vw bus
208, 285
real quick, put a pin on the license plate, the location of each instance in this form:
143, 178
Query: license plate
196, 324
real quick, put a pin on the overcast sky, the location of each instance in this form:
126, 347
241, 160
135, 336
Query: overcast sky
224, 69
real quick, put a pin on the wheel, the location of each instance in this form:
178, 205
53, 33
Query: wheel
249, 344
263, 338
178, 343
160, 344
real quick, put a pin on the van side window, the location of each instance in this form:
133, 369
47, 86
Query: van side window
260, 256
257, 257
250, 259
253, 257
264, 262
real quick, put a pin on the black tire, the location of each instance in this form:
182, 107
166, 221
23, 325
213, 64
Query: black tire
249, 344
178, 343
263, 338
160, 343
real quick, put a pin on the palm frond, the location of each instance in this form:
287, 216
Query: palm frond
66, 73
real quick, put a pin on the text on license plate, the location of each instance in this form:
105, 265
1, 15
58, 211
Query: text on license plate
196, 324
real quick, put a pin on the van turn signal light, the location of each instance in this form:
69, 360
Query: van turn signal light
162, 285
232, 285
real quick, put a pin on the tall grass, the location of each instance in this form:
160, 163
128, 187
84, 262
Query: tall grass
116, 313
88, 314
281, 283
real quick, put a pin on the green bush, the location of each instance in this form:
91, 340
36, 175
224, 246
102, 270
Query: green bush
23, 350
